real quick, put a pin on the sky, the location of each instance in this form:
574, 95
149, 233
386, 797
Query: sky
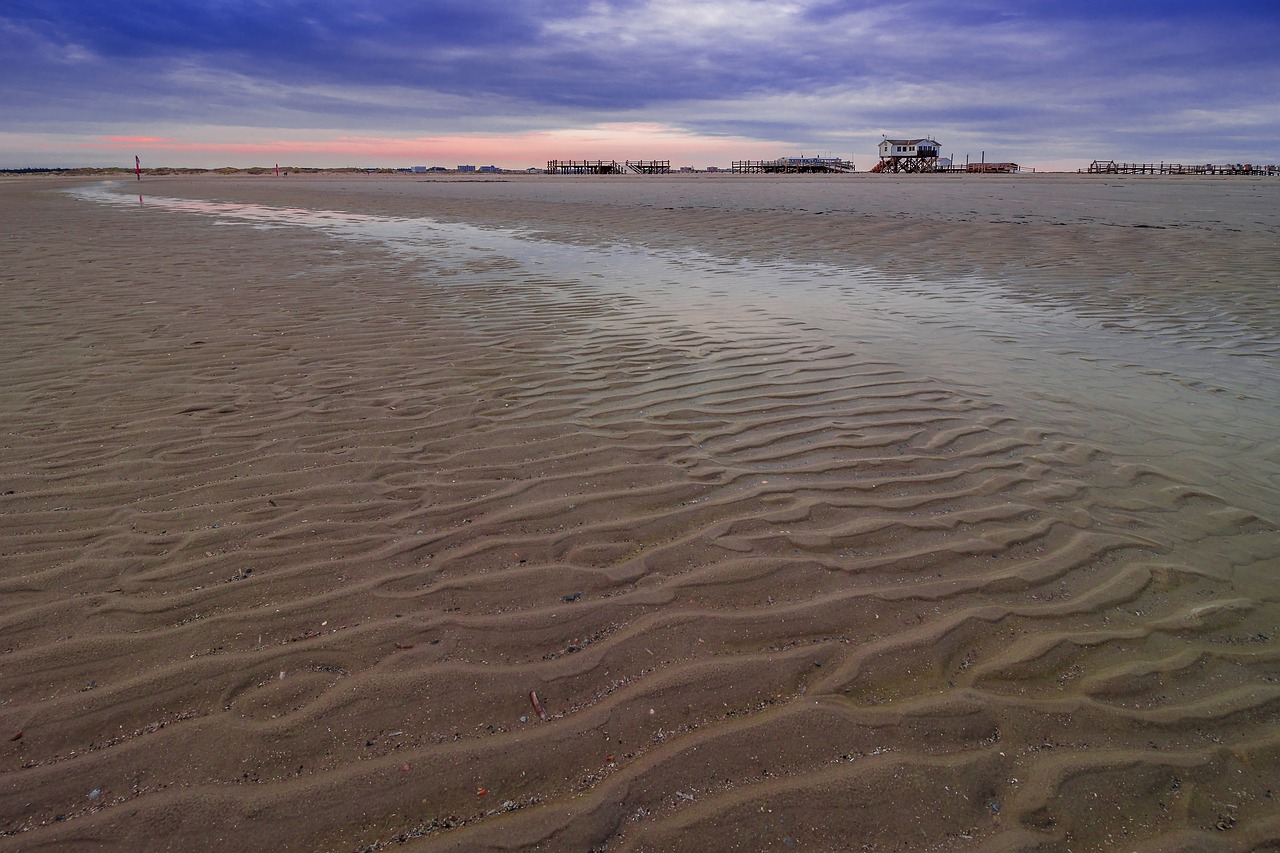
1050, 84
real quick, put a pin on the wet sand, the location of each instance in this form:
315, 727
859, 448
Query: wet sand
703, 513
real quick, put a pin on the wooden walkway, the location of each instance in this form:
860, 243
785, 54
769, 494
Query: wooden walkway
608, 167
794, 165
1111, 167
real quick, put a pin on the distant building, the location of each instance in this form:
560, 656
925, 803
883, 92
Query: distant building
909, 148
466, 168
490, 169
419, 168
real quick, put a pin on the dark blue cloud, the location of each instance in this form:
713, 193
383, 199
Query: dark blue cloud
1089, 67
267, 29
531, 50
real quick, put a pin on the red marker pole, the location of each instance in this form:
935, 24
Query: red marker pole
277, 170
137, 166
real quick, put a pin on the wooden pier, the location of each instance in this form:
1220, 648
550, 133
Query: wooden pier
650, 167
981, 168
793, 165
584, 167
1111, 167
608, 167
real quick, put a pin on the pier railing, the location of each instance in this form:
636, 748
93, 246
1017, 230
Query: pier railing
1111, 167
801, 165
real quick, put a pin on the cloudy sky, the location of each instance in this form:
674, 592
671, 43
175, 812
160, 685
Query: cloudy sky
1046, 83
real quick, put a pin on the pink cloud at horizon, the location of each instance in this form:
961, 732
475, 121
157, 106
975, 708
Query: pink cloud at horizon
141, 140
214, 147
608, 141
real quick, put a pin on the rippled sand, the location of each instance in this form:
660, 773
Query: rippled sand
702, 513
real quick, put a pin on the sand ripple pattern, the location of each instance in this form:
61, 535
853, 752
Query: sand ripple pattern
292, 529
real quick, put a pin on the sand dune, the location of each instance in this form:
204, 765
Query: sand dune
802, 532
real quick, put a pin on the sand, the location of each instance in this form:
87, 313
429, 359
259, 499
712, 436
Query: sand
689, 513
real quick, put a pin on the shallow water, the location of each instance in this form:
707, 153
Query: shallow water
1145, 389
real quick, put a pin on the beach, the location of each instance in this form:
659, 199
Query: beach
702, 512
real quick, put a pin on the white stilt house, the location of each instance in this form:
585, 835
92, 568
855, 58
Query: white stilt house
908, 155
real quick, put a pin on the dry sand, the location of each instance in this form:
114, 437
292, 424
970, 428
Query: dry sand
945, 519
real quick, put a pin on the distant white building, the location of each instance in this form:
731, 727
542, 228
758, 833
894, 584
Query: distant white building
909, 148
